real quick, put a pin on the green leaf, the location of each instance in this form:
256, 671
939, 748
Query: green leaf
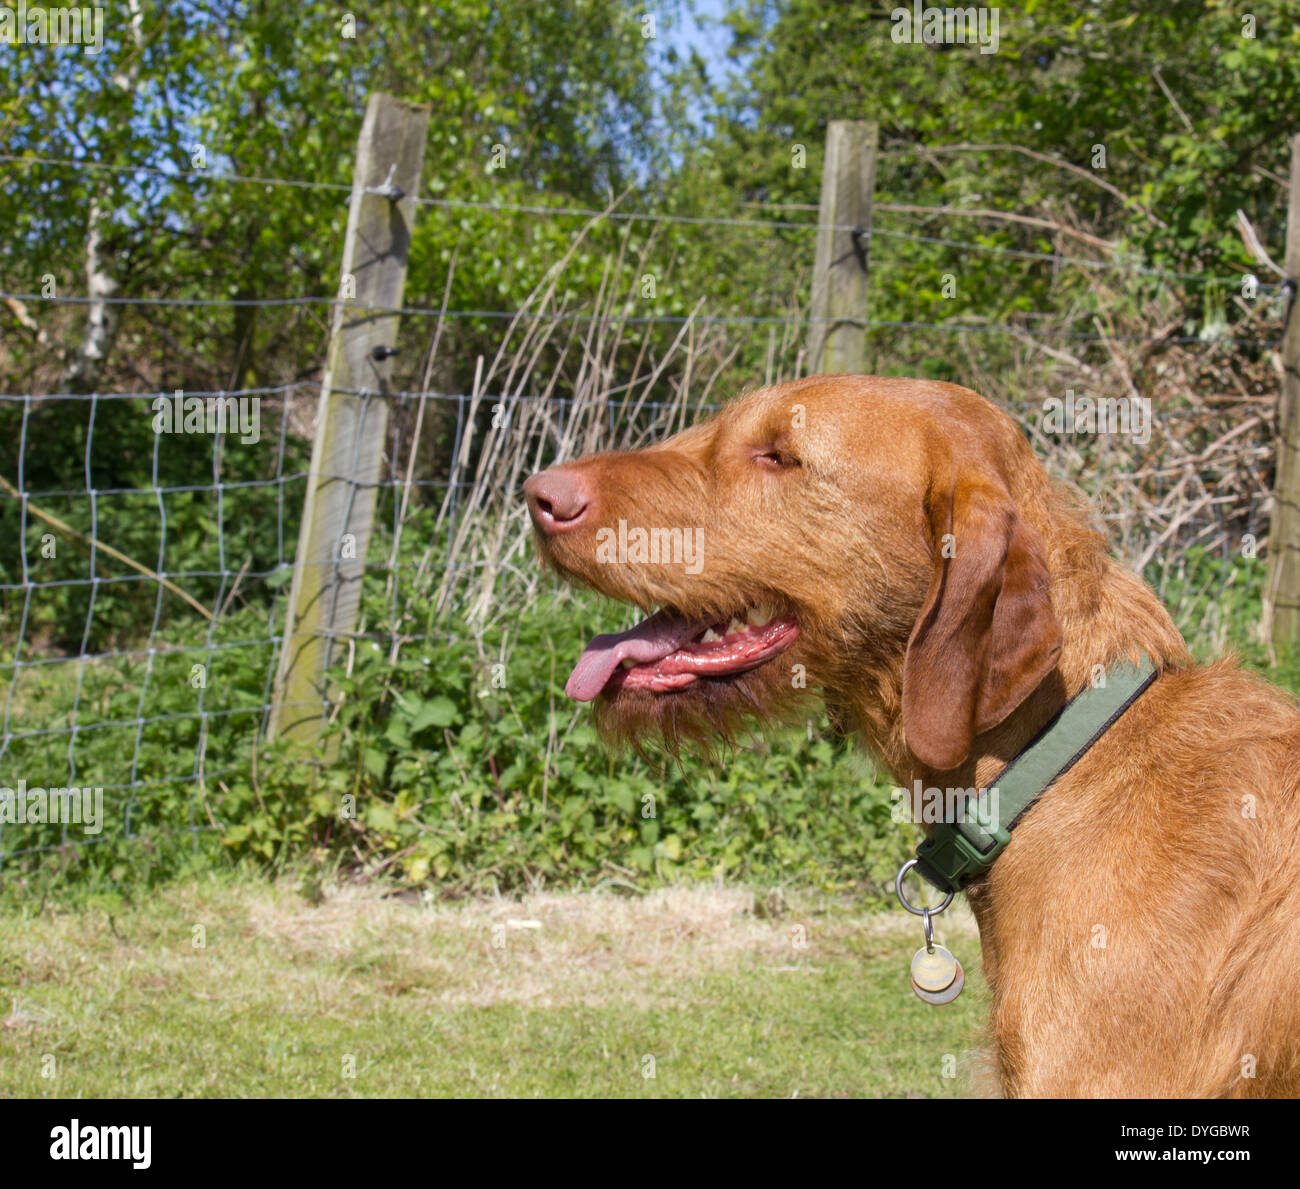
437, 712
374, 761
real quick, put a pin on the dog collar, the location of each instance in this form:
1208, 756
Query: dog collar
957, 852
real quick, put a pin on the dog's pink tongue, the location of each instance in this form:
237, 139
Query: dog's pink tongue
651, 640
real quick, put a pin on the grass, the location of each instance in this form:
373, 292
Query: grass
705, 989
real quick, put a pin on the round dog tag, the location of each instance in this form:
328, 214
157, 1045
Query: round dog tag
937, 977
934, 969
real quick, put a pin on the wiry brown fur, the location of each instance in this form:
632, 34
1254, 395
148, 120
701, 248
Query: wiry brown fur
1141, 934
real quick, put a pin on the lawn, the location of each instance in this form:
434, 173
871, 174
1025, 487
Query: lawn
223, 988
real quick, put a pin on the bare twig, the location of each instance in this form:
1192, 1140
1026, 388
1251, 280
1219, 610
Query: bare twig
1250, 237
54, 522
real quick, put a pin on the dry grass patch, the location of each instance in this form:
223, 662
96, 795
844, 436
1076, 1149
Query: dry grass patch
566, 948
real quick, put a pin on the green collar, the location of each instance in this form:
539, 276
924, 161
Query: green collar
957, 852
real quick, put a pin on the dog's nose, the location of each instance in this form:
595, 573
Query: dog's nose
557, 499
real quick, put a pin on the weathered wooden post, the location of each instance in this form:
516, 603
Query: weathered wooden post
837, 336
1282, 595
352, 415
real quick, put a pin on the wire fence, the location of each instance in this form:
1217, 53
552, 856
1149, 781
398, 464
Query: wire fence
1124, 267
1019, 331
611, 213
206, 565
80, 711
91, 699
157, 718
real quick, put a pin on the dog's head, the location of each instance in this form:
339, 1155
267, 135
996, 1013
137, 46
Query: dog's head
847, 536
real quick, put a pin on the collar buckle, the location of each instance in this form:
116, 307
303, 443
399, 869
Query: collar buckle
950, 858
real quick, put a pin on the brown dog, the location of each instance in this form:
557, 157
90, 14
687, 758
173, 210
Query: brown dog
894, 546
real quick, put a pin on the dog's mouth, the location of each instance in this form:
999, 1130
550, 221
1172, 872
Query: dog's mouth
669, 652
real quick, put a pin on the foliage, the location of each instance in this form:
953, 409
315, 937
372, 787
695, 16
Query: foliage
1067, 78
195, 506
584, 107
240, 86
159, 739
461, 764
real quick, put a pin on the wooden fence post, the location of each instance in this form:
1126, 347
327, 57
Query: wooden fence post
1282, 595
352, 415
837, 336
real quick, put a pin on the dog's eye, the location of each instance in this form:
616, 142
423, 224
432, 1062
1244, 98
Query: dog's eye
773, 459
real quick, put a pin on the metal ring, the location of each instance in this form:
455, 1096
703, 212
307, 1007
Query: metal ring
928, 917
906, 903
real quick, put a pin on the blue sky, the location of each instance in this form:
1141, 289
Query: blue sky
695, 25
700, 30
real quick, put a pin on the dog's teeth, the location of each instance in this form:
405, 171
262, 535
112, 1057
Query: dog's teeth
760, 615
628, 664
735, 626
709, 637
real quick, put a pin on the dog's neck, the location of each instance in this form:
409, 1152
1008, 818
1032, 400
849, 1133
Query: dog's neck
1097, 598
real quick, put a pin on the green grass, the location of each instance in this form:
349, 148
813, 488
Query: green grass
437, 999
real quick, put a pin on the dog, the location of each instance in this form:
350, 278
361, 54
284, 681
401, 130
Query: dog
894, 548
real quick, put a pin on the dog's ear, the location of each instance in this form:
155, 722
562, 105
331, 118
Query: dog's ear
986, 637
